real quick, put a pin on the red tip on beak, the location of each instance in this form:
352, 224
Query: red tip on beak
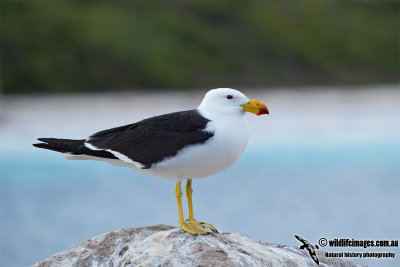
263, 110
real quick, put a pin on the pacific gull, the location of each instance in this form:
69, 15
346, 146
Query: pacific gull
182, 145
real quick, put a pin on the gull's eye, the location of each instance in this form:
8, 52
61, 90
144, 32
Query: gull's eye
229, 96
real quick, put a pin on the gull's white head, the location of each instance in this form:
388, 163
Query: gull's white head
230, 102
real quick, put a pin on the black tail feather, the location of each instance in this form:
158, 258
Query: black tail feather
61, 145
75, 147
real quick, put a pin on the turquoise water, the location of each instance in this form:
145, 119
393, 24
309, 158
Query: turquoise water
332, 190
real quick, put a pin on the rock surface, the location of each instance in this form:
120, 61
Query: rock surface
164, 245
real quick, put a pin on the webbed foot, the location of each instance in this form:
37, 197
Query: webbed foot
198, 228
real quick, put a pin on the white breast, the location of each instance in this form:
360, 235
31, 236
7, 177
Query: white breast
231, 136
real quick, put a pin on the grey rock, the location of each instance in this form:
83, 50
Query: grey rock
163, 245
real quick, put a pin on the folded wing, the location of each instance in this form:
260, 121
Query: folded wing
151, 140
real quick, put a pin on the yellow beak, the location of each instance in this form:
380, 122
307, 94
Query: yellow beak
256, 107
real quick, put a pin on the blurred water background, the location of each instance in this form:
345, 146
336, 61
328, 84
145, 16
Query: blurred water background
324, 163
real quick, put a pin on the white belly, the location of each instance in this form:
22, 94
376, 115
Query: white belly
198, 161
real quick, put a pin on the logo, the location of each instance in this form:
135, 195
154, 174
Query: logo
309, 247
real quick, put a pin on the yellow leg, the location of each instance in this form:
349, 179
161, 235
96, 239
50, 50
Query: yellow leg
178, 194
189, 192
191, 228
191, 218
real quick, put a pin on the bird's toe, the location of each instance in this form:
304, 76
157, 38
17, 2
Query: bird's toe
193, 228
209, 226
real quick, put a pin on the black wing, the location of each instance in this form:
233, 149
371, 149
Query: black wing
151, 140
314, 257
75, 147
305, 242
300, 239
